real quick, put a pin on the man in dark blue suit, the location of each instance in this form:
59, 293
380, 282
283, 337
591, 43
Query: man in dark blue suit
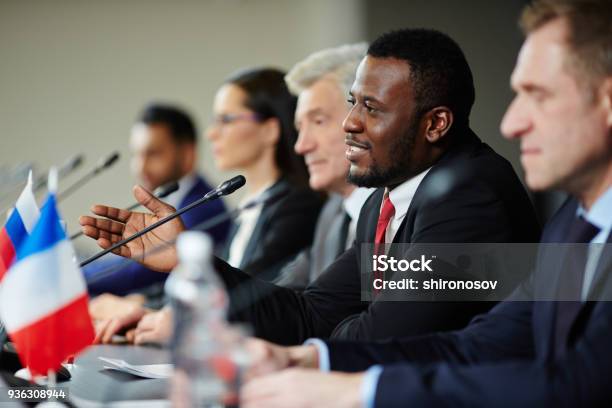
549, 344
164, 149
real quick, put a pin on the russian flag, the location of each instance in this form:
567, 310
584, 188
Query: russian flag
19, 225
43, 297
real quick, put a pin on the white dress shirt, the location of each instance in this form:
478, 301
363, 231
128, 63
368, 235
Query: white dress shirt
247, 222
401, 198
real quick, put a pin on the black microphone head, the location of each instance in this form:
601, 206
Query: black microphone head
166, 189
231, 185
106, 162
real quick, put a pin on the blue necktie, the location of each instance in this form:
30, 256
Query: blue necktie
570, 281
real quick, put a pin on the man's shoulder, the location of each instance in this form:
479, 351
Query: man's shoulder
474, 158
472, 167
292, 199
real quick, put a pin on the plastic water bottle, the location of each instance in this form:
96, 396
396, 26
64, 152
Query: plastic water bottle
203, 347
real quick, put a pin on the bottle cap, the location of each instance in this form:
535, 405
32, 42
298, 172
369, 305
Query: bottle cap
194, 246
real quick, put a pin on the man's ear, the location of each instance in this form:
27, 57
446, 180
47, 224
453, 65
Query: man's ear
438, 121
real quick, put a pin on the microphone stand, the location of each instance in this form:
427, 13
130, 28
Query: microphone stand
160, 192
104, 164
203, 226
225, 188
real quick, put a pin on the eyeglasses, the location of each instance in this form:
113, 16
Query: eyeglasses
229, 118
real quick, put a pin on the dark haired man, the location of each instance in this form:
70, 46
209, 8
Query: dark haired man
438, 183
163, 144
528, 350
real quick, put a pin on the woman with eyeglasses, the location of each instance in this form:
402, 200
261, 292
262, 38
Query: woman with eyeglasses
252, 132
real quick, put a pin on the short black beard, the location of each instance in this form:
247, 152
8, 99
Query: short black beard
401, 155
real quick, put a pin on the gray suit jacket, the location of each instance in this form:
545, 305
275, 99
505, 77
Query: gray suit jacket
329, 242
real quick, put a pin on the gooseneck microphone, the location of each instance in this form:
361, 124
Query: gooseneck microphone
103, 164
264, 199
224, 188
72, 163
160, 192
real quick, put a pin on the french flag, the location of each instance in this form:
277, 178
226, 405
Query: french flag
19, 225
43, 298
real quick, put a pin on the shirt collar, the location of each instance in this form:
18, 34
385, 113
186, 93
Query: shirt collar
401, 196
599, 214
353, 203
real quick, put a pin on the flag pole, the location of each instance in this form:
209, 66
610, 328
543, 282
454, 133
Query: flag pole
52, 402
51, 377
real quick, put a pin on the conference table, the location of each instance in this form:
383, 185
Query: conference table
92, 385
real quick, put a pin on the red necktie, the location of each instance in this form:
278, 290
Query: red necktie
387, 211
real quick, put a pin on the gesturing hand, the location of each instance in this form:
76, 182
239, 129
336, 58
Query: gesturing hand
119, 224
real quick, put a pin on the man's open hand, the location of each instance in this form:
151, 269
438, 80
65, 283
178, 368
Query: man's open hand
154, 249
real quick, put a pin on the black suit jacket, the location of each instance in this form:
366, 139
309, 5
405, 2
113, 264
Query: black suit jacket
505, 357
275, 240
471, 195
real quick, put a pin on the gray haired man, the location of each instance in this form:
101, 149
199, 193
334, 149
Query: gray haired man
322, 82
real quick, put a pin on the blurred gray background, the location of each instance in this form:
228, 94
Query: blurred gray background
74, 74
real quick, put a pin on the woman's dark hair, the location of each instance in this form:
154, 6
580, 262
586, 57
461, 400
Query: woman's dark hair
268, 97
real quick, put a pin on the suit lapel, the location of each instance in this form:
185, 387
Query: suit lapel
251, 248
601, 285
372, 214
326, 242
548, 275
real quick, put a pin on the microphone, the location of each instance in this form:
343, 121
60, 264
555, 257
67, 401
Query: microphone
266, 198
231, 185
224, 188
103, 164
160, 192
71, 164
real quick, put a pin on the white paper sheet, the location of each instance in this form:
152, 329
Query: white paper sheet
144, 371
